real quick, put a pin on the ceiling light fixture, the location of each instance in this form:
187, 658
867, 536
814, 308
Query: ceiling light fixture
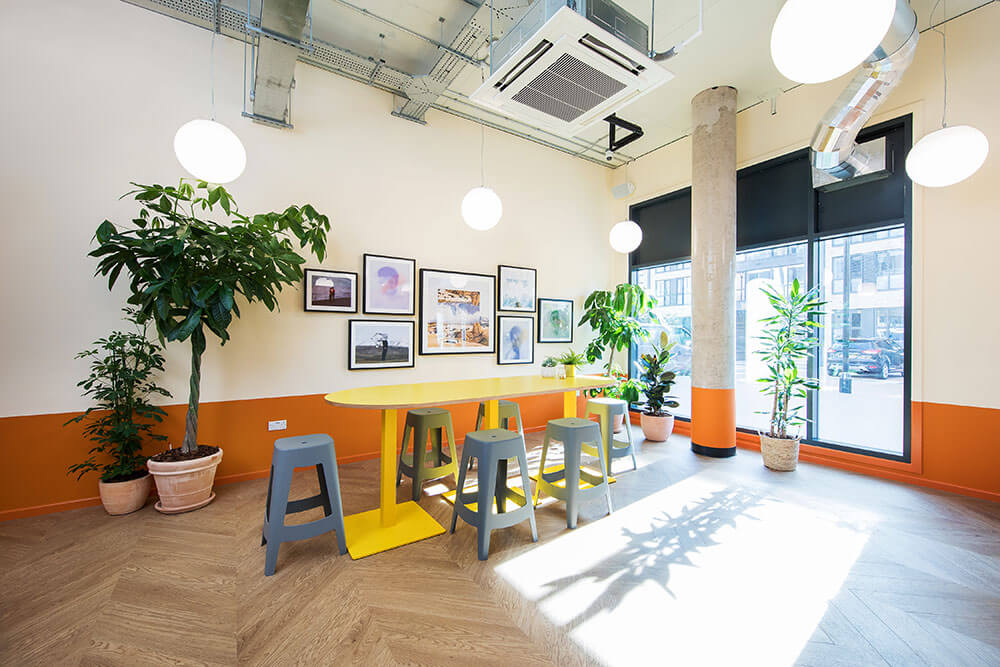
625, 236
819, 40
949, 155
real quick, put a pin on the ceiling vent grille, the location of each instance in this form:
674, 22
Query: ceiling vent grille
568, 88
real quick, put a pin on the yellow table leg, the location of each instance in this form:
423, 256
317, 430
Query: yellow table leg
569, 404
491, 416
390, 525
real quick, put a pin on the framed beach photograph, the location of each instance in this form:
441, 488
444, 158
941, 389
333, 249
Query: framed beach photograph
380, 344
457, 312
516, 343
555, 321
389, 285
516, 288
331, 291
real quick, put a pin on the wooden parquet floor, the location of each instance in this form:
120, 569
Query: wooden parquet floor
703, 562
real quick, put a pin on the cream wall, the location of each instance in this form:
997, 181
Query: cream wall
956, 322
92, 103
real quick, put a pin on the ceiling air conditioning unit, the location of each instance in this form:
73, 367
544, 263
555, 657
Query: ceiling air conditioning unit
568, 64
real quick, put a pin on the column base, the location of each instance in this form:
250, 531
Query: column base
714, 452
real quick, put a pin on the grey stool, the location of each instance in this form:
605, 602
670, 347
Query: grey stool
564, 484
301, 452
492, 448
508, 410
419, 422
606, 409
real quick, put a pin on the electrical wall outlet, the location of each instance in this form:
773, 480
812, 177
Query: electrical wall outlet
277, 425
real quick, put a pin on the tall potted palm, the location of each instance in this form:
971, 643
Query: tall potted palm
186, 275
787, 340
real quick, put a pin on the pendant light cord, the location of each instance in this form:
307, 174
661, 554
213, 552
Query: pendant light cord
482, 127
211, 72
944, 59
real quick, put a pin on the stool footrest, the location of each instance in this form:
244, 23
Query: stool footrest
304, 504
304, 531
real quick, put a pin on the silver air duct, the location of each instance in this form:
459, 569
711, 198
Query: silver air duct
834, 151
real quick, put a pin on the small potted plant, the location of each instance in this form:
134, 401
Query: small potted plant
122, 367
786, 343
549, 367
570, 360
657, 423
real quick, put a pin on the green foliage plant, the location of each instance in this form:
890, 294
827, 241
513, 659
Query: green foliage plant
656, 379
619, 319
550, 362
571, 358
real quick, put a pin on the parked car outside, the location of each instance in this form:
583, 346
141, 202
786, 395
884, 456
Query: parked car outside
879, 357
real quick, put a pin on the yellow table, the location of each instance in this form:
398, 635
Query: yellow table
393, 525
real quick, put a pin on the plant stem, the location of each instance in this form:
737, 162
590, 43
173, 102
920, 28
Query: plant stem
191, 425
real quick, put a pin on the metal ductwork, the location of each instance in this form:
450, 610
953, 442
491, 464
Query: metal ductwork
278, 33
834, 150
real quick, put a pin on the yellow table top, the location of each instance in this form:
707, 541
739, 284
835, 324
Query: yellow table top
425, 394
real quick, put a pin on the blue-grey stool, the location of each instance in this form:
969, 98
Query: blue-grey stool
301, 452
491, 449
419, 422
606, 409
508, 410
564, 484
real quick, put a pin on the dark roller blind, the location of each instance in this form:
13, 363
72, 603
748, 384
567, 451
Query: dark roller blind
774, 200
666, 229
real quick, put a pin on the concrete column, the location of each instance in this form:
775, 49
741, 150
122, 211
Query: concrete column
713, 265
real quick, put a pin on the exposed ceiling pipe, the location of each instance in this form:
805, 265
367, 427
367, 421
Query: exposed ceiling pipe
676, 48
834, 149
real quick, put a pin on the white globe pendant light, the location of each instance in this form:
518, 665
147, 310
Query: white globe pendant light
481, 208
210, 151
947, 156
819, 40
625, 236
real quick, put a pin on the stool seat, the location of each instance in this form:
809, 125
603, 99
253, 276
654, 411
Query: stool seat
420, 422
606, 409
507, 410
298, 442
565, 484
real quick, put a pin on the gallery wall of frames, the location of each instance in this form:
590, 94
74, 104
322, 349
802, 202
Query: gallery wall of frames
456, 312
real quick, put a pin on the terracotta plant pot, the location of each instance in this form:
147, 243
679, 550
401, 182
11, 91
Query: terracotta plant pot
657, 429
619, 423
125, 497
779, 453
570, 370
184, 485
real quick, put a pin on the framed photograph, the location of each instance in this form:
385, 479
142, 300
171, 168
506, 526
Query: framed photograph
555, 321
516, 288
331, 291
517, 339
389, 285
457, 312
380, 344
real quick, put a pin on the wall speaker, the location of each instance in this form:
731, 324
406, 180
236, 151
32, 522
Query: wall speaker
624, 190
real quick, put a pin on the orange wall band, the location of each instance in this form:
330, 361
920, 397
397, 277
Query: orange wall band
713, 420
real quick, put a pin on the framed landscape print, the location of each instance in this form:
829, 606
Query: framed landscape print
456, 312
389, 285
380, 344
331, 291
555, 321
516, 288
517, 339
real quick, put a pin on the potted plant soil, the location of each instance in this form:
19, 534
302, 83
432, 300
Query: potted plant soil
570, 360
657, 423
187, 274
786, 343
122, 368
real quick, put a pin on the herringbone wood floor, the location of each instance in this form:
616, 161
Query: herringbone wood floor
703, 562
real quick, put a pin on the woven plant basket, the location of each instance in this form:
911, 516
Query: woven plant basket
779, 453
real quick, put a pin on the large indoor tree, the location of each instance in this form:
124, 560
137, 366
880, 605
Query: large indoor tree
187, 272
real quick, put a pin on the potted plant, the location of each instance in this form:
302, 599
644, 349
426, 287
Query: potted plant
657, 423
786, 342
186, 274
570, 360
626, 389
619, 320
122, 367
549, 367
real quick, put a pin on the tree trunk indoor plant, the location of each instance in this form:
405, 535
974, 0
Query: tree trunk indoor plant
122, 366
185, 275
657, 423
786, 342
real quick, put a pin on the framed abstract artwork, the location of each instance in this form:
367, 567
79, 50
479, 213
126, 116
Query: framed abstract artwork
555, 321
516, 343
380, 344
457, 312
331, 291
516, 288
389, 285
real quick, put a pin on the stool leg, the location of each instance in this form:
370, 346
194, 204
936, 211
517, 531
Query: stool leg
451, 447
607, 486
500, 488
520, 424
541, 471
459, 487
522, 463
330, 483
267, 506
479, 423
571, 463
437, 438
406, 442
631, 443
419, 453
282, 486
487, 482
324, 491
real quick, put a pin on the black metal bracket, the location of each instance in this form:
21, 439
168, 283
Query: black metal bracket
615, 122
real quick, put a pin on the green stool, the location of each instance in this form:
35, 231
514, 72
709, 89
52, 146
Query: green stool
420, 422
606, 409
508, 410
565, 484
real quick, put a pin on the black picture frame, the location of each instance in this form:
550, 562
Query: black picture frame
572, 322
529, 340
313, 307
367, 285
352, 364
534, 289
488, 317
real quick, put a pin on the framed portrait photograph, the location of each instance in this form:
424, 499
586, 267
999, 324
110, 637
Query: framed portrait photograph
516, 288
380, 344
331, 291
457, 312
516, 343
389, 285
555, 321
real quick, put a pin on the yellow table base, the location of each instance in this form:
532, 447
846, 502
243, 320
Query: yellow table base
366, 535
